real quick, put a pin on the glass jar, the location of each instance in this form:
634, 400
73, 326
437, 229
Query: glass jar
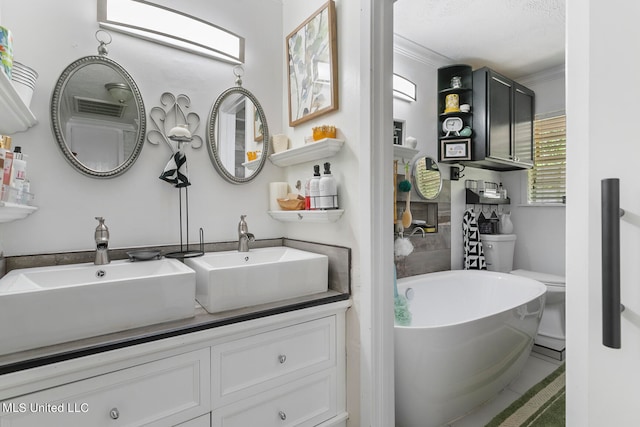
456, 82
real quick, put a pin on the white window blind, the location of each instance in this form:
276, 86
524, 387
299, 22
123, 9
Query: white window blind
548, 175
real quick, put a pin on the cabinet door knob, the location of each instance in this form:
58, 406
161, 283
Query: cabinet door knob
282, 415
114, 414
282, 358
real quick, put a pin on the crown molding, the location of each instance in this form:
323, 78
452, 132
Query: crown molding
550, 74
412, 50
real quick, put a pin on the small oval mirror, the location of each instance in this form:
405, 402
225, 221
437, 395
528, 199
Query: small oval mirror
238, 135
426, 178
98, 117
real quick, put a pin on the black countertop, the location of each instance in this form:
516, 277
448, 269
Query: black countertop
202, 320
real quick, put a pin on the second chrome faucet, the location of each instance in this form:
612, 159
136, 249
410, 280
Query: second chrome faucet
244, 237
101, 236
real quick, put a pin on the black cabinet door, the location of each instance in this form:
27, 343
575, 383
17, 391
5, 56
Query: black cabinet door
499, 117
523, 109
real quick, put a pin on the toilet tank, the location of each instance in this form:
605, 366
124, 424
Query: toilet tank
498, 251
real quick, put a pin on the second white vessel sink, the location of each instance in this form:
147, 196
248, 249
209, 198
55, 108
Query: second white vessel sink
49, 305
231, 279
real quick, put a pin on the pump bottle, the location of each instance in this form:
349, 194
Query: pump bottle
328, 189
314, 188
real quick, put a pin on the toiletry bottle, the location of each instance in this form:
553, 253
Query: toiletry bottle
328, 189
19, 175
19, 168
314, 188
8, 163
6, 159
307, 195
502, 192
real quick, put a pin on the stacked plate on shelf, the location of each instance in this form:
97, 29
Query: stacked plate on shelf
24, 81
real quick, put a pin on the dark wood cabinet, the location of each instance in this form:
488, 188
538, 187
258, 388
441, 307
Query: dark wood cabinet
503, 122
455, 82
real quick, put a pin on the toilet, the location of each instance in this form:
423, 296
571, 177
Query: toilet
498, 252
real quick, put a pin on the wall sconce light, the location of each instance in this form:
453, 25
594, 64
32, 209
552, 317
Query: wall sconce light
119, 91
171, 28
404, 88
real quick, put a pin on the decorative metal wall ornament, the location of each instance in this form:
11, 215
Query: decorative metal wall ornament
174, 112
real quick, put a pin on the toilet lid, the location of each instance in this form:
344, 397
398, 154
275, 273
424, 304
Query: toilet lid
547, 279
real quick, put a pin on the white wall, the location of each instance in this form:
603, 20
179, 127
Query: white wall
139, 208
345, 165
419, 65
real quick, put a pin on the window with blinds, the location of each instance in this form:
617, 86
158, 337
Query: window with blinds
548, 175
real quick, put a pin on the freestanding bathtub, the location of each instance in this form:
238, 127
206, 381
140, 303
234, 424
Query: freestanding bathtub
470, 335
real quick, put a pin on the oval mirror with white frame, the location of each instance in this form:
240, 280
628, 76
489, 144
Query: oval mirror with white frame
427, 178
238, 135
98, 117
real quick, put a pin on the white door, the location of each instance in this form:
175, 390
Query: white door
603, 64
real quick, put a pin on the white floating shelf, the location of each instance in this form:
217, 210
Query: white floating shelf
307, 216
16, 115
253, 164
312, 151
405, 154
12, 211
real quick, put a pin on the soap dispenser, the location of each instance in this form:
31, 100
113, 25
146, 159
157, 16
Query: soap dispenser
102, 242
314, 188
328, 189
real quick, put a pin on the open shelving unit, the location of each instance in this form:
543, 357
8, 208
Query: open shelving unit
16, 115
318, 216
13, 211
321, 149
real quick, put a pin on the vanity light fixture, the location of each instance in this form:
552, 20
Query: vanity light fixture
172, 28
403, 88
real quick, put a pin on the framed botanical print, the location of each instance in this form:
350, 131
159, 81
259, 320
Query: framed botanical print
312, 57
258, 136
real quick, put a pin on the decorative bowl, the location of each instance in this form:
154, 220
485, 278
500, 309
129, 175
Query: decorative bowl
292, 204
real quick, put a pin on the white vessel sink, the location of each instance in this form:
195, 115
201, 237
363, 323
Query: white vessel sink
232, 279
50, 305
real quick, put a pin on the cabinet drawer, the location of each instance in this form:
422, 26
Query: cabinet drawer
251, 365
306, 402
201, 421
160, 393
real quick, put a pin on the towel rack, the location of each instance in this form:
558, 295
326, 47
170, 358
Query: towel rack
611, 307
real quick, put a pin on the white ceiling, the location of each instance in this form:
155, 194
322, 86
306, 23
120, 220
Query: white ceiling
514, 37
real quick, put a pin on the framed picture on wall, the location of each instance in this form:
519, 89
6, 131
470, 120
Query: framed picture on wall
455, 149
257, 126
312, 57
398, 131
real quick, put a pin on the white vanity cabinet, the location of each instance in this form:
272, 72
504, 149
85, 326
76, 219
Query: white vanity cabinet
284, 377
164, 392
288, 369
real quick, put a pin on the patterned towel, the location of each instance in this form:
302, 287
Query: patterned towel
176, 170
473, 253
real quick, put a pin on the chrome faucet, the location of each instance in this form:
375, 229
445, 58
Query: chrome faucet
102, 243
244, 237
